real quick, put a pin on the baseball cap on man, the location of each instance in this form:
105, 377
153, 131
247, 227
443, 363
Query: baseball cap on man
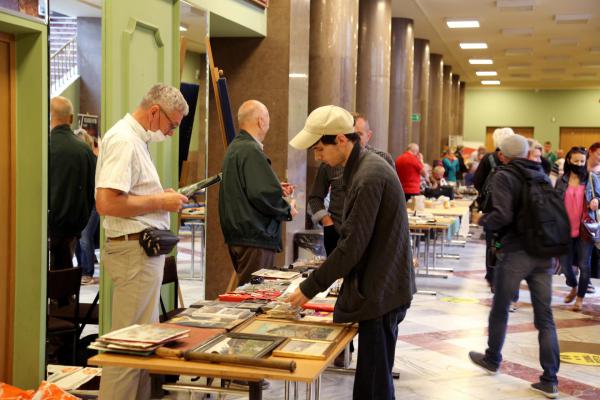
326, 120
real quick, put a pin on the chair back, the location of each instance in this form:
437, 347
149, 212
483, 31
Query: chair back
64, 283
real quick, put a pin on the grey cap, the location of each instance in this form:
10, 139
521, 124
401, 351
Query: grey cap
514, 146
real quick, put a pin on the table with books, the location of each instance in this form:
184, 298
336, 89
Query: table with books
250, 334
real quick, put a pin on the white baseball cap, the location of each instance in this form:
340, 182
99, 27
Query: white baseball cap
326, 120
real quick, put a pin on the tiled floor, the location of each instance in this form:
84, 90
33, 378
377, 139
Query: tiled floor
433, 342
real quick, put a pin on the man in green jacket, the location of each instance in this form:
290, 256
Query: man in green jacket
71, 173
251, 198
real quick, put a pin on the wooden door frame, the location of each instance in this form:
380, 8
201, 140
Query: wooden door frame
10, 280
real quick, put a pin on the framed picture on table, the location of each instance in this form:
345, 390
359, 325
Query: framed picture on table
302, 348
239, 344
292, 329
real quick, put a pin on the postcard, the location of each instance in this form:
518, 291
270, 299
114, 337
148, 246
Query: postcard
301, 348
237, 344
296, 330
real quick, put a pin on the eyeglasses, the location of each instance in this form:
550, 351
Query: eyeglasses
172, 126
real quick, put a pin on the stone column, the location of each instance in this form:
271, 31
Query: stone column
446, 107
373, 76
434, 124
461, 109
455, 103
421, 93
333, 58
401, 89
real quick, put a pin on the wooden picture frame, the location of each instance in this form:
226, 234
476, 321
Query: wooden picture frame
240, 344
303, 348
292, 329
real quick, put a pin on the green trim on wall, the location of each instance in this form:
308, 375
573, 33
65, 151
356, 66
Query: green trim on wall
31, 198
546, 110
234, 18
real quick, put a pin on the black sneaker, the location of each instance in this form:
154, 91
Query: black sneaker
239, 384
590, 289
340, 360
550, 390
479, 360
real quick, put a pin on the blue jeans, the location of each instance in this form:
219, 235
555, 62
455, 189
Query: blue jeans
583, 249
85, 246
512, 267
376, 349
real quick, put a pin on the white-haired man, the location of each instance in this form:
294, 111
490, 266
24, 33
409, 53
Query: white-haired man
131, 198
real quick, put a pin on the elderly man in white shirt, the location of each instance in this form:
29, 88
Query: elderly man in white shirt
130, 196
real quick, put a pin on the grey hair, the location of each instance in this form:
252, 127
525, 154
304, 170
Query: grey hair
412, 147
534, 144
500, 134
167, 97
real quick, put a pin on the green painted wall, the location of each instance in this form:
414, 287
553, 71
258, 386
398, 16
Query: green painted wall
72, 93
31, 198
546, 110
234, 18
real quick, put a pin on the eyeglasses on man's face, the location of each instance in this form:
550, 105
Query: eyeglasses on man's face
172, 125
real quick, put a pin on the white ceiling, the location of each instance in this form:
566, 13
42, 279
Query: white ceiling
553, 56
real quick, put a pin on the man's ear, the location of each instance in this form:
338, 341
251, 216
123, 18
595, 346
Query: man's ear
341, 138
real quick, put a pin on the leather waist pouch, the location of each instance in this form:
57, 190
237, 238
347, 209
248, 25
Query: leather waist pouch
156, 242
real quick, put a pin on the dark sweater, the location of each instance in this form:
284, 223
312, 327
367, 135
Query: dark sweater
373, 254
72, 169
251, 206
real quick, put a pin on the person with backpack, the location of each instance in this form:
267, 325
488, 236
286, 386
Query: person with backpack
532, 225
577, 187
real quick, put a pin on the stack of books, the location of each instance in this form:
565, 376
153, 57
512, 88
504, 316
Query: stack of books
138, 339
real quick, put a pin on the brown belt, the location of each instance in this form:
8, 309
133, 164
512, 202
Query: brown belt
131, 236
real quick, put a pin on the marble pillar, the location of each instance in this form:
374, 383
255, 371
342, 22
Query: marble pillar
461, 109
455, 103
446, 107
434, 118
401, 88
421, 93
260, 68
373, 74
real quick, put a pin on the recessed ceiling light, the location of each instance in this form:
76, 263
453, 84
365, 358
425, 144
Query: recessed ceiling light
473, 46
572, 18
590, 65
517, 31
556, 42
515, 5
518, 51
518, 66
480, 61
495, 82
486, 73
462, 23
556, 58
182, 28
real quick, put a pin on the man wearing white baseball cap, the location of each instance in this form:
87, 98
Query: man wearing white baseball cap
373, 254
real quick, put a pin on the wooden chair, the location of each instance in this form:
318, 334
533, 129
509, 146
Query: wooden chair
170, 276
64, 284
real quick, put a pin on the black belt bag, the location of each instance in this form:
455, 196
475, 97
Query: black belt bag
157, 241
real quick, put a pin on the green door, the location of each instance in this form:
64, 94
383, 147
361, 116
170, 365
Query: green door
140, 47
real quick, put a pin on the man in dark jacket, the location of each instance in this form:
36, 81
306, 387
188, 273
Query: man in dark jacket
251, 203
373, 254
72, 168
514, 265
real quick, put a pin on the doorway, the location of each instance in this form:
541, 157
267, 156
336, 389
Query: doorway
7, 201
526, 131
570, 137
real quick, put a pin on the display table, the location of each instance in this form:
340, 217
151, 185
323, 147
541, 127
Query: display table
196, 223
307, 371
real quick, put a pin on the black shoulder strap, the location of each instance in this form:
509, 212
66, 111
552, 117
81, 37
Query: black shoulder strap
492, 161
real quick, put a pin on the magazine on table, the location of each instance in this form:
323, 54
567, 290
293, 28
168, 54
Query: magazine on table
194, 188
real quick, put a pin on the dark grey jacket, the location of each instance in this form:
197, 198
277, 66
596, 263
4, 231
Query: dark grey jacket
373, 254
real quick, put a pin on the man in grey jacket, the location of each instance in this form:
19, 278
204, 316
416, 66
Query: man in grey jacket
373, 254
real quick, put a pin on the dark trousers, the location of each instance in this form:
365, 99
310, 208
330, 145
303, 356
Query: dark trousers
330, 239
247, 260
85, 246
510, 269
62, 249
376, 349
583, 250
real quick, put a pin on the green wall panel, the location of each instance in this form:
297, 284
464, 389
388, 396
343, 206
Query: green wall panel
546, 110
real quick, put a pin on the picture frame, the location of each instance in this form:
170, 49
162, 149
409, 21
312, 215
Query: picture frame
292, 329
303, 348
240, 344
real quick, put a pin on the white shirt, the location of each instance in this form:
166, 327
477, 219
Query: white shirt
124, 164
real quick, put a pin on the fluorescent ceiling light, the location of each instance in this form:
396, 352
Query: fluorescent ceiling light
480, 61
462, 23
297, 75
556, 58
572, 18
520, 76
486, 73
518, 66
182, 28
594, 49
473, 46
553, 70
590, 65
563, 42
490, 82
518, 51
585, 75
517, 31
515, 5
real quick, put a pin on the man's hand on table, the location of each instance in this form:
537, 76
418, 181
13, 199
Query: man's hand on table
297, 299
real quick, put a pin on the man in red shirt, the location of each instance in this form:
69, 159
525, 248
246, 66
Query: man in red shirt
409, 170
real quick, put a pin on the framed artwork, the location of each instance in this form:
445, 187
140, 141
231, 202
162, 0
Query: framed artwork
302, 348
239, 344
295, 330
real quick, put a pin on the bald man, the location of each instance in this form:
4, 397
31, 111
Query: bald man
251, 198
71, 182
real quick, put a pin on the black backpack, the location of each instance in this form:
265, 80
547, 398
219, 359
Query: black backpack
543, 218
485, 197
